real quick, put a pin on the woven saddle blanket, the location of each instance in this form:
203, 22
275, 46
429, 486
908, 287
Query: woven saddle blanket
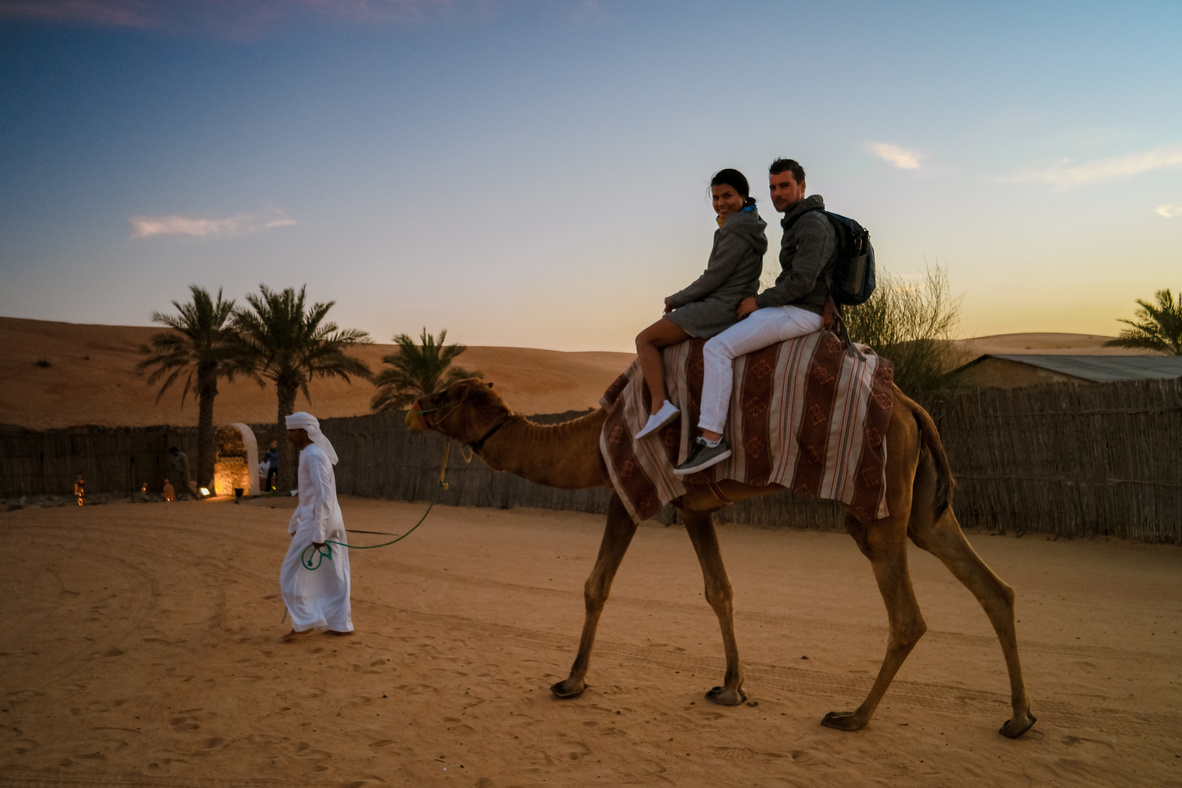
805, 415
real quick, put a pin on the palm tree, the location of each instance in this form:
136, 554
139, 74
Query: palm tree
284, 341
197, 350
1160, 329
417, 370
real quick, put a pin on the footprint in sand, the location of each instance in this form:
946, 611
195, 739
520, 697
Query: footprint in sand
573, 750
265, 740
184, 723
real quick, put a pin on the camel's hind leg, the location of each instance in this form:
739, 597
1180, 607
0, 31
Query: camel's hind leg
885, 544
943, 538
616, 538
700, 527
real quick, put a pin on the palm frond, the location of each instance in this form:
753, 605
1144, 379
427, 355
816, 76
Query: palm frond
417, 369
1159, 328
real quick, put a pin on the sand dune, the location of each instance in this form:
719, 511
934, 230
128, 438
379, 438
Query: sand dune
63, 374
1047, 343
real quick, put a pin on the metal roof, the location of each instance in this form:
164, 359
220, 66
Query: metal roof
1098, 369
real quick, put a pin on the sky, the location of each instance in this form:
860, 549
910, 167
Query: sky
534, 173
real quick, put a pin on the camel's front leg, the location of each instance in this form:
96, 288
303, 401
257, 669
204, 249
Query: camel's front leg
616, 538
720, 596
884, 543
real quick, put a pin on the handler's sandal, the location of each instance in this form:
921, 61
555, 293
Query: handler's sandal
702, 457
666, 414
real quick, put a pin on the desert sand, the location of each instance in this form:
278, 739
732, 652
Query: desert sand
140, 646
56, 374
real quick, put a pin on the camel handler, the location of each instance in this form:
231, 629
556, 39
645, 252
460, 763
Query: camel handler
315, 599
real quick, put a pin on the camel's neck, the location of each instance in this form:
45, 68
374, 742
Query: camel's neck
561, 455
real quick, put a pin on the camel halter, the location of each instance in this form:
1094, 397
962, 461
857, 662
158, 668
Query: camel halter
440, 488
474, 446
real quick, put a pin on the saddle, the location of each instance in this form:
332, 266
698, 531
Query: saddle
805, 415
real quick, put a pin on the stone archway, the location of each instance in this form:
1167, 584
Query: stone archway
237, 461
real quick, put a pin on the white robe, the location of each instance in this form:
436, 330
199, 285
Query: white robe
317, 599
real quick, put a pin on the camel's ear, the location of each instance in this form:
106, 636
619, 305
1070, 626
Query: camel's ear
466, 386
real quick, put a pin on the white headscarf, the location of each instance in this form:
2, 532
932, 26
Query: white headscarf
308, 423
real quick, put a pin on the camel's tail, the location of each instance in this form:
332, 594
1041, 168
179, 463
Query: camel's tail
930, 440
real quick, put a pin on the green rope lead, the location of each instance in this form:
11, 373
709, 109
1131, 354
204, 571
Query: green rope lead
306, 560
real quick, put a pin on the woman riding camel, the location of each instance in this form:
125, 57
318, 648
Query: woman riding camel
709, 305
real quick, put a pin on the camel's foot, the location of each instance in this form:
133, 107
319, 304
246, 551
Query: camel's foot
844, 721
726, 697
570, 688
1017, 726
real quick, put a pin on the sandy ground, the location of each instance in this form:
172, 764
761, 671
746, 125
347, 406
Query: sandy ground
139, 646
55, 374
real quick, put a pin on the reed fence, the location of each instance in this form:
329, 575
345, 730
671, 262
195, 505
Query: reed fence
1066, 460
1069, 460
110, 459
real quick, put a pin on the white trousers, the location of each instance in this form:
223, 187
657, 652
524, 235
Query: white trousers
759, 329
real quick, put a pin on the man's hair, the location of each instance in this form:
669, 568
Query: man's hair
783, 165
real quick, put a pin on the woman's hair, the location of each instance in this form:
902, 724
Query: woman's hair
736, 181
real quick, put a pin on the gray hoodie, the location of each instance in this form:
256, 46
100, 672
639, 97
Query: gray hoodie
709, 305
808, 250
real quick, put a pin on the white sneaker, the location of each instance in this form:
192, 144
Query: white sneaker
666, 414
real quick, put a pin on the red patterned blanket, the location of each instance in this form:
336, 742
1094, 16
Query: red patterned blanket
805, 415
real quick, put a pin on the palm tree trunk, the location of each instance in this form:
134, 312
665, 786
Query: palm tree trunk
207, 392
286, 479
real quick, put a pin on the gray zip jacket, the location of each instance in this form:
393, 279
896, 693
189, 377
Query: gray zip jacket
808, 250
709, 305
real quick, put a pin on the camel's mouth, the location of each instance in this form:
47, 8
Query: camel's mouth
414, 419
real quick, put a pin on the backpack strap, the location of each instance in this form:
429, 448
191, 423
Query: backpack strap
833, 320
796, 218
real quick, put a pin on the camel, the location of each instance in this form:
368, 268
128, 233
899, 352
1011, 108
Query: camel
919, 496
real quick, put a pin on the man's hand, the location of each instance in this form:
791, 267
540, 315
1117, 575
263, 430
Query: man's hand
747, 306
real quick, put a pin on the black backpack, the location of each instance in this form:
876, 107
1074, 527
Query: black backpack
853, 273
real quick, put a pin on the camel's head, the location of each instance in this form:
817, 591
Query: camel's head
464, 411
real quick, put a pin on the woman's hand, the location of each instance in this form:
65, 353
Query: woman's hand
668, 306
747, 306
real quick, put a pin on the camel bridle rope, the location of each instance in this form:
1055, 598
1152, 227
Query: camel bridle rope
440, 488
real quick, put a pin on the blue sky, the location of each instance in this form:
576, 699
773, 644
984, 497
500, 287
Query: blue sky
534, 172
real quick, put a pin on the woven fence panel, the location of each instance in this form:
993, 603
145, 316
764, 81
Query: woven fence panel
110, 459
1069, 460
1066, 460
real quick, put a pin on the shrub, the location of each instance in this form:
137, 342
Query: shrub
912, 324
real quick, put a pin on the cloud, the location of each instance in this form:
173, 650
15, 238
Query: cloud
1064, 175
903, 159
239, 224
1170, 210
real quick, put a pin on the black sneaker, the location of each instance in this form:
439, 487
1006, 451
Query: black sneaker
702, 457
